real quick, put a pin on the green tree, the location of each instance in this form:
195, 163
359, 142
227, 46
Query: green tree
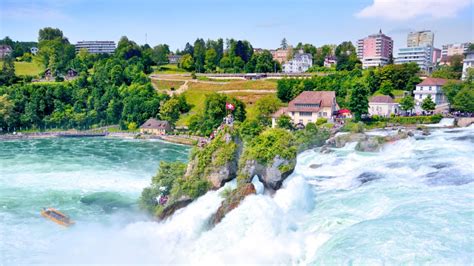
451, 89
160, 54
249, 129
464, 100
7, 73
346, 56
407, 103
284, 121
359, 103
428, 104
169, 111
284, 44
211, 60
6, 109
199, 55
186, 62
386, 87
265, 107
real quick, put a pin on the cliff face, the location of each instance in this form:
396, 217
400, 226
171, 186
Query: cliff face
271, 156
271, 175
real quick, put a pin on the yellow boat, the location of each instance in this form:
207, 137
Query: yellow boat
57, 217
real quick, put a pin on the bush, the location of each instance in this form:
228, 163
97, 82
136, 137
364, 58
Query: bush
321, 120
269, 144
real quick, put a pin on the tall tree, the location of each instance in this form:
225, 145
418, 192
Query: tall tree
428, 104
199, 55
407, 103
464, 100
7, 73
160, 54
359, 103
284, 44
211, 60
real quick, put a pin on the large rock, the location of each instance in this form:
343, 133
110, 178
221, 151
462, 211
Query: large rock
232, 201
219, 176
272, 175
341, 140
174, 206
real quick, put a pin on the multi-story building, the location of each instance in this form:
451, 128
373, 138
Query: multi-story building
467, 63
280, 55
375, 50
300, 63
420, 55
96, 47
453, 49
432, 87
5, 50
34, 50
308, 107
420, 38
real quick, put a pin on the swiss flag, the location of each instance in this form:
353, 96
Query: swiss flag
229, 106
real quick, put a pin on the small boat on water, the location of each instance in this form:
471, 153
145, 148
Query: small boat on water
57, 217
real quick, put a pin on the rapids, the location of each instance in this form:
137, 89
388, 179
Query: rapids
411, 203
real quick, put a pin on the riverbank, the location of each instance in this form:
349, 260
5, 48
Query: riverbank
176, 139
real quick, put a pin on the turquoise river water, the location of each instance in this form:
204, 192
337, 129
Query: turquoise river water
412, 203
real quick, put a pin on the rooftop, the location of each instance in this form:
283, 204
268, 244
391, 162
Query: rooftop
152, 123
311, 101
433, 82
381, 99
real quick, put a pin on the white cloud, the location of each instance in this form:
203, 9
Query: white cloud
408, 9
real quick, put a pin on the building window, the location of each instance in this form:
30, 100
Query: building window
325, 114
306, 114
419, 96
301, 121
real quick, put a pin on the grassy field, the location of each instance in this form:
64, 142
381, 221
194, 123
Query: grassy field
166, 84
197, 92
168, 69
27, 68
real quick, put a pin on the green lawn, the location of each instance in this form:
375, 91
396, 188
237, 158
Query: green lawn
196, 94
27, 68
168, 69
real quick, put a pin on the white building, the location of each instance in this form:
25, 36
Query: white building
383, 106
34, 50
300, 63
432, 87
330, 61
421, 55
467, 63
96, 47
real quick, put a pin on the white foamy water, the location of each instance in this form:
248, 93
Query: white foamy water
412, 203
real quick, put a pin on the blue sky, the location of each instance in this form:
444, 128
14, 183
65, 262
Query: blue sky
263, 23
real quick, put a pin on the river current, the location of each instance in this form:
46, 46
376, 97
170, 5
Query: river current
413, 203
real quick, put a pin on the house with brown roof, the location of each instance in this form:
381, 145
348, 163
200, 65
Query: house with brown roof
432, 87
308, 107
383, 106
155, 127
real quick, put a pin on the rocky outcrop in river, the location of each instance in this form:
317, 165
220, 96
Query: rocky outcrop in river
232, 201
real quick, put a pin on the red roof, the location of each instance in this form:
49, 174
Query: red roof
433, 82
280, 112
311, 101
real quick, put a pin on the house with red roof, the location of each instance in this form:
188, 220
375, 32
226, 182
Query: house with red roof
383, 105
308, 107
432, 87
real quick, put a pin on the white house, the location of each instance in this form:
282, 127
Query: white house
300, 63
467, 63
432, 87
383, 106
308, 107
